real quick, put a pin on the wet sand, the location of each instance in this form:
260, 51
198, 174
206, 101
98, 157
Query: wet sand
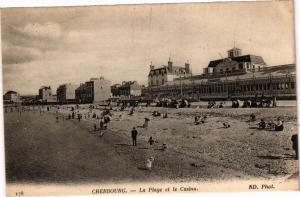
39, 149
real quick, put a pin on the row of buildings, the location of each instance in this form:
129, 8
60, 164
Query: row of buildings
96, 90
236, 76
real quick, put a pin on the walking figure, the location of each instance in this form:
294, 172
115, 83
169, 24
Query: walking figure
134, 134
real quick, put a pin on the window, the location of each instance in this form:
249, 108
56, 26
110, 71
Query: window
248, 65
162, 81
241, 66
292, 85
156, 82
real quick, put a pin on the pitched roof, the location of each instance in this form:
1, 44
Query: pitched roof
275, 71
234, 48
11, 92
158, 69
244, 58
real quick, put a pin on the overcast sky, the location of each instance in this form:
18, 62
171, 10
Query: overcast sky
52, 46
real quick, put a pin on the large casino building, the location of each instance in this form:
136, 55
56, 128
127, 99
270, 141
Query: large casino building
237, 76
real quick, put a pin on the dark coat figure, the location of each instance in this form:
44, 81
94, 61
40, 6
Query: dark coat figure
235, 104
279, 125
274, 101
102, 124
131, 111
221, 105
73, 115
253, 103
211, 104
262, 124
165, 115
253, 117
95, 127
151, 141
78, 117
145, 125
246, 104
226, 125
134, 134
295, 144
155, 113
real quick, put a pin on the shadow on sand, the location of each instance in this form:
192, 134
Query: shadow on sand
284, 157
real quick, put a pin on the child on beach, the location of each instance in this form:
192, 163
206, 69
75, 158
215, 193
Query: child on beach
151, 141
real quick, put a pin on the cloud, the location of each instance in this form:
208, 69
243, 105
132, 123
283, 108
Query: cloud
18, 54
33, 35
50, 31
28, 43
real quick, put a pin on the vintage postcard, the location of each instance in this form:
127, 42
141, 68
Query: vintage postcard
150, 98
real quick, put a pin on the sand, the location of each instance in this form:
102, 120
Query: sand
39, 149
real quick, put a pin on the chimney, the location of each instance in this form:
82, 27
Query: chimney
151, 66
187, 67
170, 66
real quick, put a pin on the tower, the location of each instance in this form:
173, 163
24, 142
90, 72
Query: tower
234, 52
187, 67
170, 65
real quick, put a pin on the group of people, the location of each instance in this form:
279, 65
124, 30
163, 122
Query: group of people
172, 103
213, 104
255, 102
271, 125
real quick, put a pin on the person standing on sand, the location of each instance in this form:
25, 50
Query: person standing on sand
78, 117
134, 134
295, 145
274, 101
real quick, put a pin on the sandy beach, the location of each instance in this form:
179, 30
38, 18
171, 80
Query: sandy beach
41, 149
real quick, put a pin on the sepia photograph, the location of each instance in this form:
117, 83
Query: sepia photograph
150, 98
